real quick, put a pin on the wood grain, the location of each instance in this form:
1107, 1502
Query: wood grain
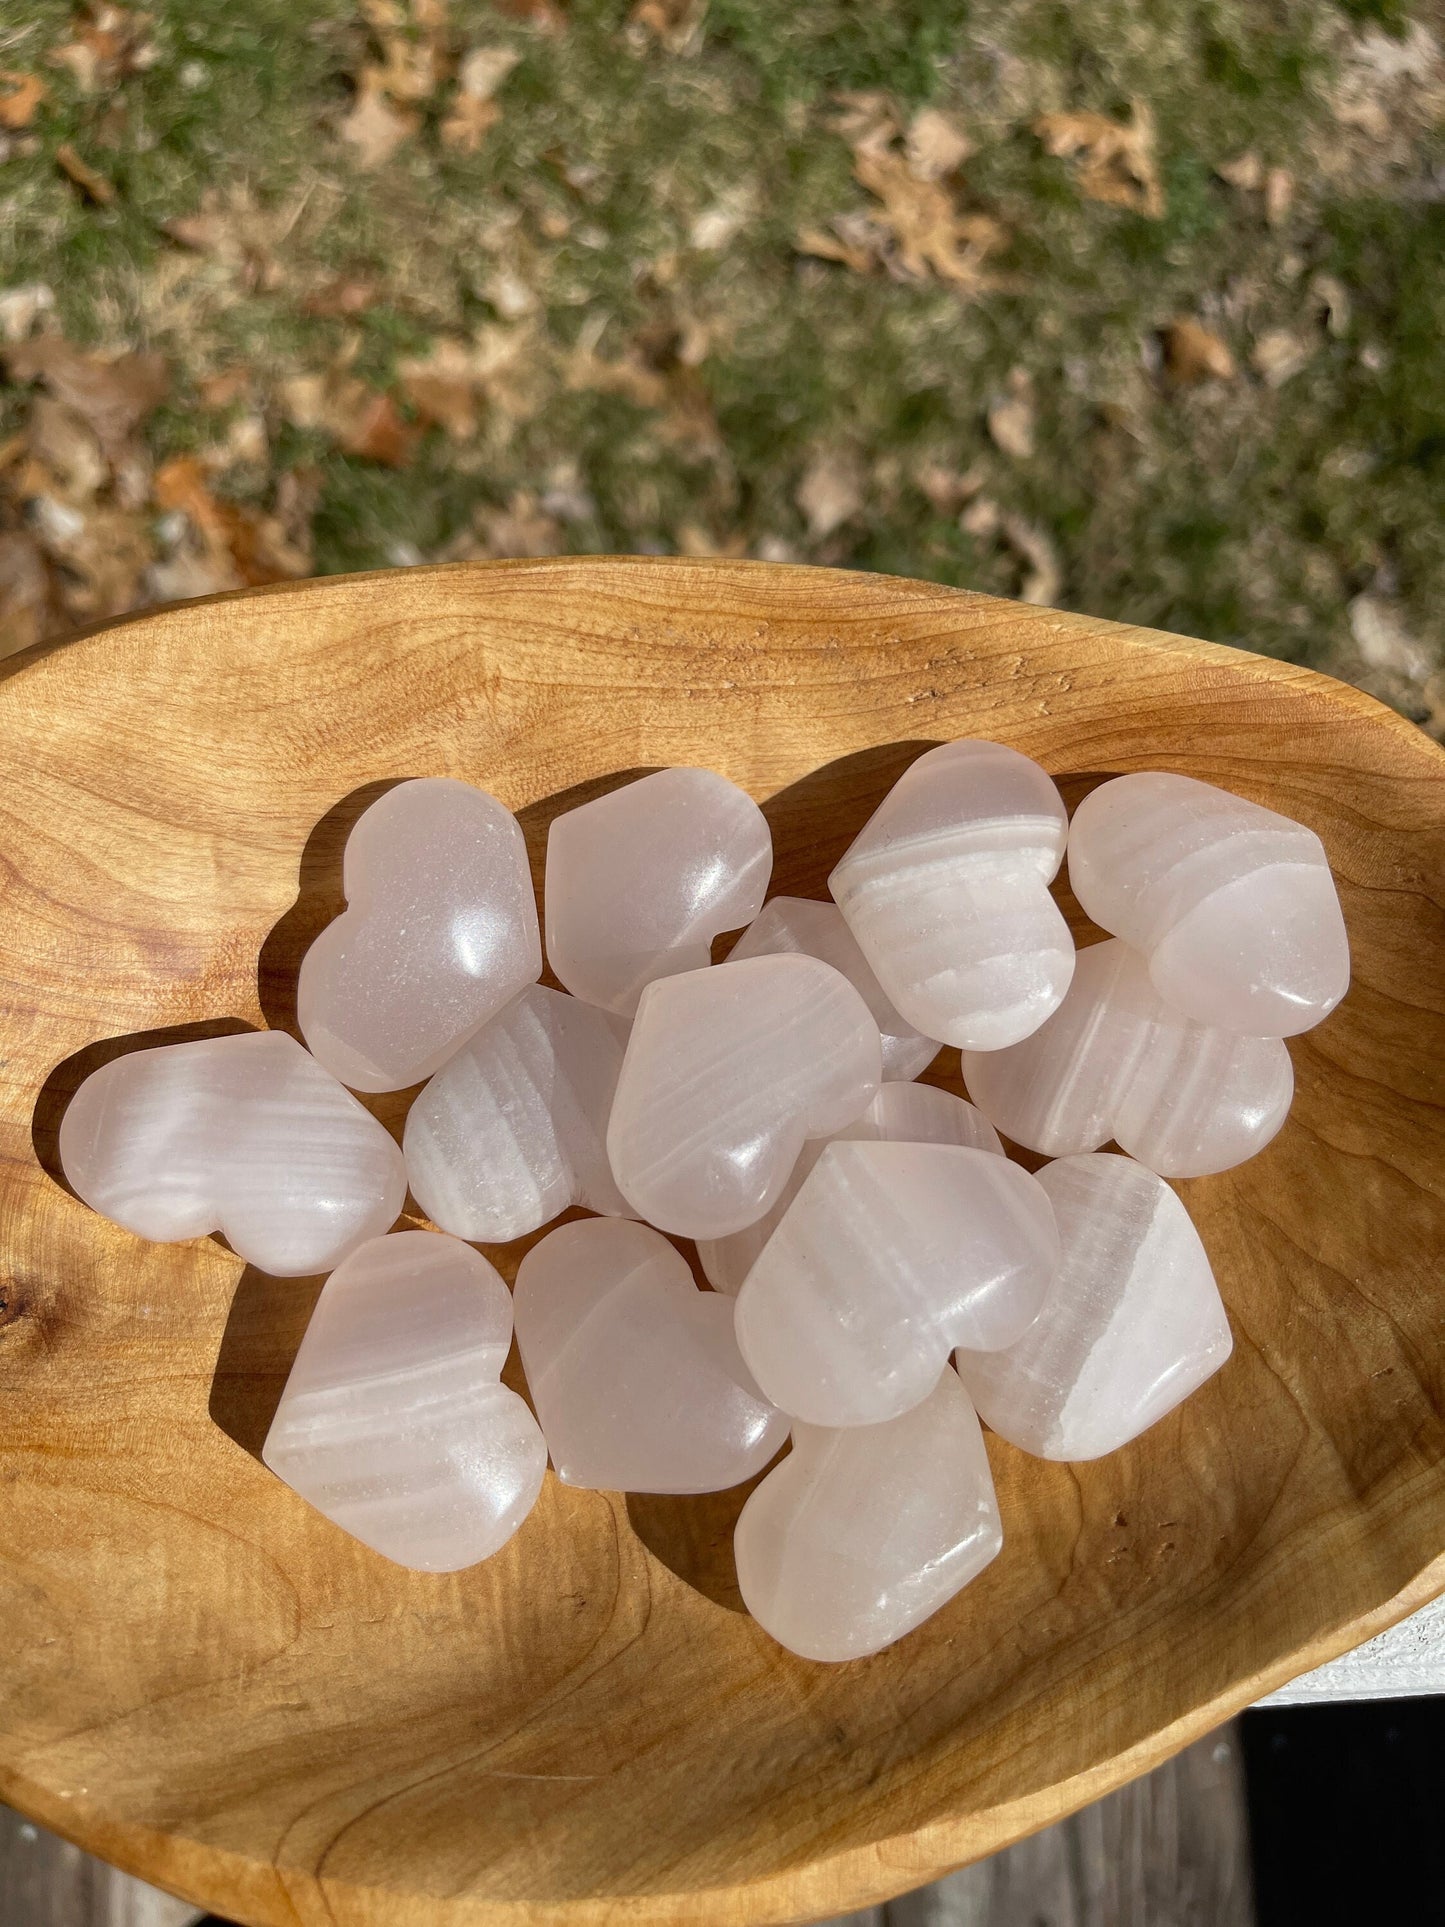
206, 1683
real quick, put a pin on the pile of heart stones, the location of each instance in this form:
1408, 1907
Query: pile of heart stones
883, 1276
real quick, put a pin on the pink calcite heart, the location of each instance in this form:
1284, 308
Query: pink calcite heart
635, 1373
246, 1135
439, 933
394, 1423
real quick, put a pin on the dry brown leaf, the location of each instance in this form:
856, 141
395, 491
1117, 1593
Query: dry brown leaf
935, 145
930, 232
474, 110
1043, 576
101, 552
1278, 195
1011, 417
341, 298
832, 247
374, 127
233, 228
20, 98
63, 443
522, 528
113, 394
1245, 171
26, 614
545, 15
867, 121
1279, 355
1383, 639
21, 307
360, 419
676, 25
442, 387
947, 489
1115, 159
413, 44
224, 387
110, 44
831, 491
91, 182
251, 547
1194, 353
1334, 301
981, 519
675, 391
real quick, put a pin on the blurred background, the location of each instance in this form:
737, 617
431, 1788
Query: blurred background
1129, 306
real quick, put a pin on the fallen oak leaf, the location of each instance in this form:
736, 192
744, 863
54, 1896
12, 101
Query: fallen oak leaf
1043, 577
20, 97
110, 44
931, 233
21, 307
833, 247
474, 111
341, 298
1193, 353
442, 387
26, 603
935, 145
361, 420
113, 394
91, 182
1279, 355
252, 547
676, 25
1116, 161
374, 127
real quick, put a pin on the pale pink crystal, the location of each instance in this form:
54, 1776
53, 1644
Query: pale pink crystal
393, 1422
440, 932
728, 1071
635, 1373
860, 1535
889, 1257
899, 1114
946, 890
1233, 905
641, 880
246, 1135
1114, 1061
1133, 1325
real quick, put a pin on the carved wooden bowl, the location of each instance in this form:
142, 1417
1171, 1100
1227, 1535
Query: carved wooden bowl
204, 1681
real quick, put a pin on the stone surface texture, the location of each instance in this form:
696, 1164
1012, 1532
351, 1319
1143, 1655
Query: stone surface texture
1115, 1061
899, 1114
860, 1535
393, 1422
728, 1071
812, 929
635, 1372
641, 880
1133, 1325
439, 933
513, 1129
946, 890
246, 1135
1233, 905
889, 1257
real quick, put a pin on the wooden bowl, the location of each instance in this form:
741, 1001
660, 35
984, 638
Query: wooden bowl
206, 1682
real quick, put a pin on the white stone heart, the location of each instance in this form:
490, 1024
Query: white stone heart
946, 890
889, 1257
1133, 1325
800, 926
394, 1423
860, 1535
513, 1129
635, 1373
246, 1135
899, 1114
439, 933
641, 880
1115, 1061
1233, 905
728, 1071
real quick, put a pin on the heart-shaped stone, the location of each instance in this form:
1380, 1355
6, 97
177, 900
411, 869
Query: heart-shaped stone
1115, 1061
641, 880
635, 1373
246, 1135
440, 932
858, 1536
946, 890
899, 1114
394, 1423
1232, 905
1134, 1322
889, 1257
800, 926
728, 1072
513, 1129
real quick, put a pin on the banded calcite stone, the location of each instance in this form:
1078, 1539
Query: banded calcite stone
900, 1114
1115, 1061
890, 1256
513, 1129
1134, 1323
858, 1536
440, 931
635, 1373
641, 880
800, 925
946, 890
394, 1423
246, 1135
1233, 905
728, 1071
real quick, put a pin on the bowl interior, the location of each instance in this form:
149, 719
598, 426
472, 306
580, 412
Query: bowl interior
213, 1685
